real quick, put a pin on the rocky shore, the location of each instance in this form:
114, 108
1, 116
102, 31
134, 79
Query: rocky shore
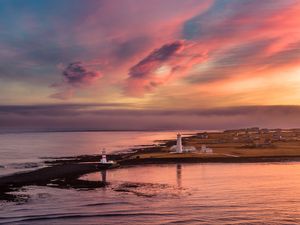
65, 172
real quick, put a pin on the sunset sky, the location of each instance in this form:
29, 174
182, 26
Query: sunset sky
149, 64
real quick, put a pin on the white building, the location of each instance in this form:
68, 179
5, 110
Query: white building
205, 149
179, 148
104, 159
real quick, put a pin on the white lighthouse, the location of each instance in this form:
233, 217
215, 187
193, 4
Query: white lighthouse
179, 144
103, 159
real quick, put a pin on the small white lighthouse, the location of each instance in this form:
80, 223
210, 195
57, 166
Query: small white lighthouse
179, 144
103, 159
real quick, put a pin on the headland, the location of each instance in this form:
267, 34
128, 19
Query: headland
250, 145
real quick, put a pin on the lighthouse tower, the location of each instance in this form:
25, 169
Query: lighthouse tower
179, 144
103, 159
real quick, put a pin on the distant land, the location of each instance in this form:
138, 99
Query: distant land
248, 145
239, 145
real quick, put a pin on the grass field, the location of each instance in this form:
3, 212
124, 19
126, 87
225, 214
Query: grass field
229, 149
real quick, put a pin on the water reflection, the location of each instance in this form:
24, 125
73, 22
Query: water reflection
103, 175
178, 175
254, 193
145, 176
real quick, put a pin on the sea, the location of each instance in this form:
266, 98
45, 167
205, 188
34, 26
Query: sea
28, 151
208, 193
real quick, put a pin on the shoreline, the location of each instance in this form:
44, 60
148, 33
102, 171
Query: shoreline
233, 160
65, 172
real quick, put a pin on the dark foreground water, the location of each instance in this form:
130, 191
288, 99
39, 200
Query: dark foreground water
170, 194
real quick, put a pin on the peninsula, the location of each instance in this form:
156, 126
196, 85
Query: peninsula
248, 145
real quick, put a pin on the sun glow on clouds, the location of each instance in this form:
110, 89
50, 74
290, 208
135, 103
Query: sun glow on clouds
264, 89
166, 54
163, 70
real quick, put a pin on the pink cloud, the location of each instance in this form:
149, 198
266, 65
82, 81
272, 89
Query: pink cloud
166, 63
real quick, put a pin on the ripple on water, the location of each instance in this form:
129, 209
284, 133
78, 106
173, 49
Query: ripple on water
171, 194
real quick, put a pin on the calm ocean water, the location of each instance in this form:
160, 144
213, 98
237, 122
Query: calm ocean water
257, 193
171, 194
25, 151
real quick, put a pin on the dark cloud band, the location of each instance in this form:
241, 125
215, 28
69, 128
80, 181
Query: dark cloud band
99, 116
